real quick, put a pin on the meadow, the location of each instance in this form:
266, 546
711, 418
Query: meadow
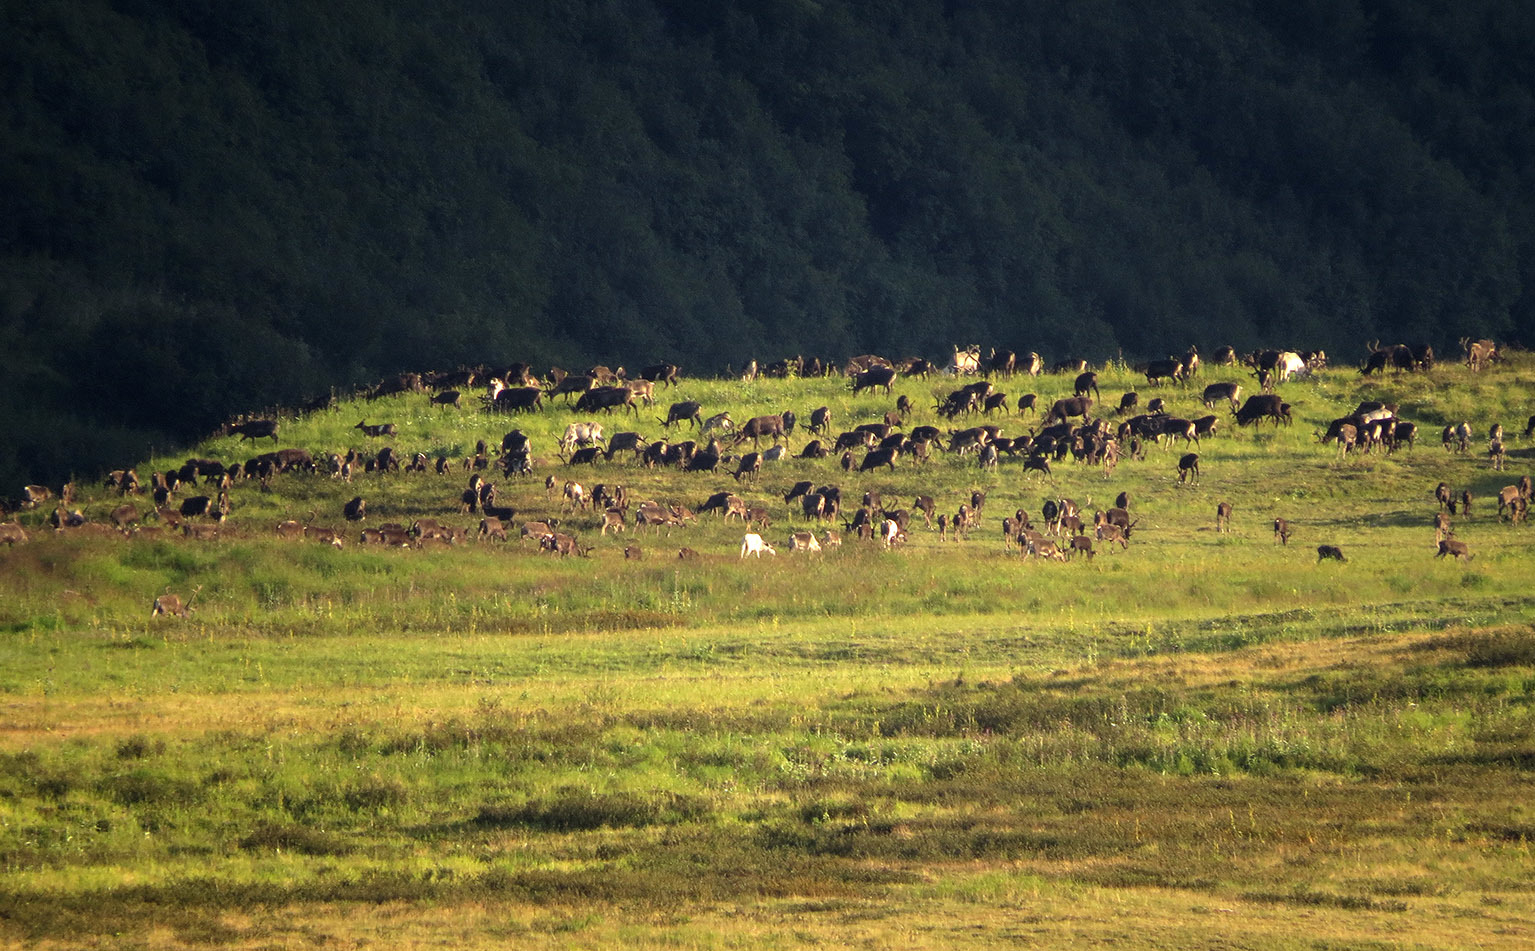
1206, 740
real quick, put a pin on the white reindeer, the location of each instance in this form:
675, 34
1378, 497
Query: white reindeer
752, 544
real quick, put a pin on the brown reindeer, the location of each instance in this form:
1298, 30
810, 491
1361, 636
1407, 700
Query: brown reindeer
1457, 549
381, 429
1223, 517
1442, 527
1444, 498
172, 605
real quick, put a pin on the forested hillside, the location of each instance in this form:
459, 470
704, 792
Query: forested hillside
206, 208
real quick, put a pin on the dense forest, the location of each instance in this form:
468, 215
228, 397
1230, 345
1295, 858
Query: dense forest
209, 208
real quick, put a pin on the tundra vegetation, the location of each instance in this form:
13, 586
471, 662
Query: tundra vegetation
1197, 739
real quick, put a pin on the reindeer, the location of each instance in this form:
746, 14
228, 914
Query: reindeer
1223, 517
1443, 497
380, 429
172, 605
1479, 353
1459, 550
965, 361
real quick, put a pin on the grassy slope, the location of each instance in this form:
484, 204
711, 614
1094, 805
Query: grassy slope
943, 744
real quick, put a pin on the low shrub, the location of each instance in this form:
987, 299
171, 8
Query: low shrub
574, 810
289, 837
1504, 648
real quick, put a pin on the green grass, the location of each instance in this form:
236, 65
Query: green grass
1206, 738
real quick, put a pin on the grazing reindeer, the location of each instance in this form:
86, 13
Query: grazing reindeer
752, 544
1443, 497
1281, 531
1459, 550
1223, 517
172, 605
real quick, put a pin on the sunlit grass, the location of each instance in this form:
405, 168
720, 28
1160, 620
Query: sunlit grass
943, 743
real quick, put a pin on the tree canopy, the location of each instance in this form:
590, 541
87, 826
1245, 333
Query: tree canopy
209, 208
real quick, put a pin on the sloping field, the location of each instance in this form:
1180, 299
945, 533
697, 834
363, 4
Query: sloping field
1204, 739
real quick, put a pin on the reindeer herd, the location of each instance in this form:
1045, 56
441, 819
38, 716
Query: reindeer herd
968, 428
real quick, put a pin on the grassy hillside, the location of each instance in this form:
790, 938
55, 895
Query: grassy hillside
1206, 739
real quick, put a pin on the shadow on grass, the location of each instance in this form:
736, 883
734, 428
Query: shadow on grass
576, 810
709, 866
